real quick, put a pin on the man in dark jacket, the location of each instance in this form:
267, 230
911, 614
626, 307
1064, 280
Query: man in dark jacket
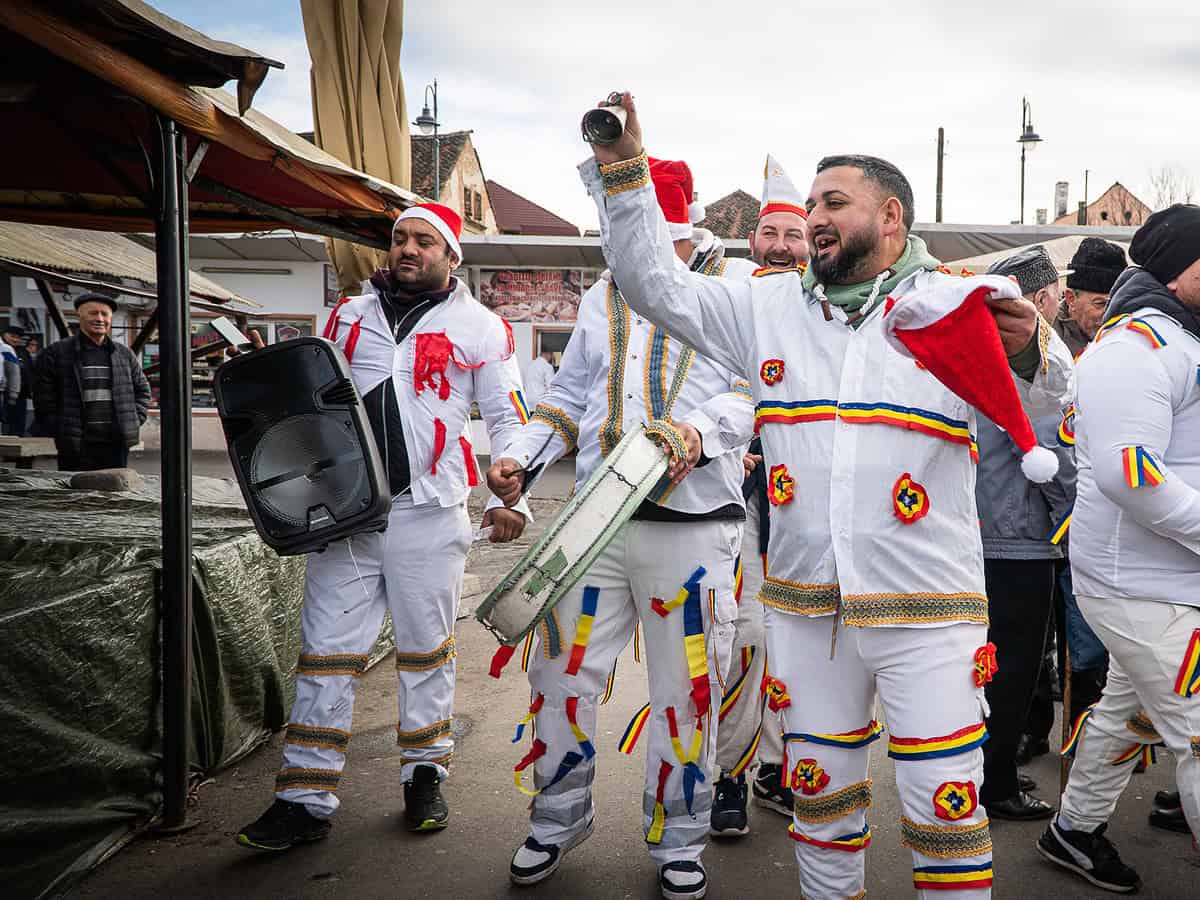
1017, 518
90, 394
16, 395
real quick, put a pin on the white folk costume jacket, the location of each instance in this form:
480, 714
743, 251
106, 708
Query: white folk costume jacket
617, 372
458, 353
871, 470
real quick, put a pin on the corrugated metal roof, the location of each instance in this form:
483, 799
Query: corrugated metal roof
99, 253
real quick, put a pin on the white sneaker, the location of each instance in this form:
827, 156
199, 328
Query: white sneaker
534, 862
683, 880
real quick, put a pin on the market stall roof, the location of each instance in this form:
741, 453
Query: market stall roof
954, 243
84, 100
69, 254
1060, 249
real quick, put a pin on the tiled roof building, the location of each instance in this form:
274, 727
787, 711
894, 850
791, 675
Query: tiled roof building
733, 216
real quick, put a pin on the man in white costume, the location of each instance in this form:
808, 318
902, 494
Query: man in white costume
538, 375
875, 567
671, 568
1135, 543
749, 729
421, 351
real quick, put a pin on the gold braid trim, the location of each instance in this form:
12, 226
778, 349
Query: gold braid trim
559, 422
946, 841
336, 664
421, 662
618, 342
1196, 745
625, 175
667, 433
423, 737
316, 736
1139, 723
441, 760
913, 609
831, 807
307, 779
1043, 337
799, 599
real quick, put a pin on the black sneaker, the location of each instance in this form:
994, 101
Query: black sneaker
769, 791
425, 808
729, 807
683, 880
1089, 854
282, 827
534, 862
1167, 813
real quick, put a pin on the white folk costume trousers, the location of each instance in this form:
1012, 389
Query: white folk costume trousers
747, 729
935, 719
686, 571
1154, 658
415, 571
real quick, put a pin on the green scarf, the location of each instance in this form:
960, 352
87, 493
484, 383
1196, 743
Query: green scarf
850, 298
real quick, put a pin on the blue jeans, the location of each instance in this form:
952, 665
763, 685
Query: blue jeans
1087, 652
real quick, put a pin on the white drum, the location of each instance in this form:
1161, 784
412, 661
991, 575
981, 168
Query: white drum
580, 532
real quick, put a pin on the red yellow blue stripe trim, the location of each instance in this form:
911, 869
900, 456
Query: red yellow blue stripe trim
659, 820
747, 756
1141, 469
956, 742
737, 579
1060, 529
953, 878
1068, 749
518, 401
923, 420
1143, 751
634, 730
1146, 330
583, 630
794, 412
608, 688
1066, 428
1187, 682
733, 693
585, 745
534, 708
850, 843
850, 740
694, 646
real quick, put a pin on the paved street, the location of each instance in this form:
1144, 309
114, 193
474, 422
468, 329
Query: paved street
370, 855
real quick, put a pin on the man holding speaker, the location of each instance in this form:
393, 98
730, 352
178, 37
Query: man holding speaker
421, 351
867, 369
671, 569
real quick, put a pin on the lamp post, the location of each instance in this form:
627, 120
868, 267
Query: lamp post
429, 124
1028, 140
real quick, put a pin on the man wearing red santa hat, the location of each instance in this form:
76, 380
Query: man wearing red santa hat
749, 728
875, 567
670, 570
421, 351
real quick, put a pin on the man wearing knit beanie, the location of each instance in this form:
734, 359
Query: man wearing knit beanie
1135, 541
1094, 268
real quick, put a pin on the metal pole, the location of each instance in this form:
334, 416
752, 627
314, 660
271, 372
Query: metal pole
941, 150
175, 586
1022, 184
437, 151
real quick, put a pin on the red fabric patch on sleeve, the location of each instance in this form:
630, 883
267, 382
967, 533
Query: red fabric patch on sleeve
469, 461
439, 443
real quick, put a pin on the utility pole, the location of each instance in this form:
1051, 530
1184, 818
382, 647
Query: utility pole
940, 156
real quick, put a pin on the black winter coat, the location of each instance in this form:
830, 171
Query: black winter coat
58, 399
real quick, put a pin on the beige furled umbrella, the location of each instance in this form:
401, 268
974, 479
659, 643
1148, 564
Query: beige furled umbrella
358, 103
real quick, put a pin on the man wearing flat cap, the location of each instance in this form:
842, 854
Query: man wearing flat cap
1135, 545
90, 394
14, 378
1093, 270
1017, 518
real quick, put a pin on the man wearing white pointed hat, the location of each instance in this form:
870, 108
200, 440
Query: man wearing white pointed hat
421, 350
749, 729
866, 391
670, 570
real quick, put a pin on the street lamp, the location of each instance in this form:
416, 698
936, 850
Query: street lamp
429, 123
1028, 140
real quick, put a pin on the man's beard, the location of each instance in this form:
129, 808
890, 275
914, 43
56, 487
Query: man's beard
843, 267
417, 281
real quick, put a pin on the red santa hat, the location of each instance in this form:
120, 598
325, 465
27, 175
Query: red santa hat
779, 194
673, 184
446, 221
949, 330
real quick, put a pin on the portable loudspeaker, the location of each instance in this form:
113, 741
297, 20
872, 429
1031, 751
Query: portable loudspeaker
301, 445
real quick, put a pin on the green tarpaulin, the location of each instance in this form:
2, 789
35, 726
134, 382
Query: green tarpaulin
80, 692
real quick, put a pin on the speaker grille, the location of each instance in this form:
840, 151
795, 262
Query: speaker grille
307, 461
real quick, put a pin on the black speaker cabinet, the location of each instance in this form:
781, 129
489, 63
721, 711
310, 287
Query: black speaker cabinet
301, 445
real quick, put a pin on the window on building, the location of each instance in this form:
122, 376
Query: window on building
478, 207
466, 207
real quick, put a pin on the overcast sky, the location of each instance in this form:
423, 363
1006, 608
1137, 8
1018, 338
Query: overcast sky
1113, 88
